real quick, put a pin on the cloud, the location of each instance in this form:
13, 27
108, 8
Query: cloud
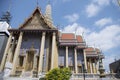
101, 2
95, 6
92, 10
102, 22
72, 18
106, 38
75, 28
66, 0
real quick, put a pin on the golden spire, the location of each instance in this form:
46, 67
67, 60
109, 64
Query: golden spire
48, 12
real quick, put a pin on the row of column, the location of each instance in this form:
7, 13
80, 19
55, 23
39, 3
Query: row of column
75, 57
42, 51
17, 50
92, 66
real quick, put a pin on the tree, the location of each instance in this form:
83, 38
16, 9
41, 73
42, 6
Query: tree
58, 74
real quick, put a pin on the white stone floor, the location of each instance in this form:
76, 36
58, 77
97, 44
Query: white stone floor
11, 78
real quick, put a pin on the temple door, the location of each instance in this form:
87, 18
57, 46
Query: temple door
30, 61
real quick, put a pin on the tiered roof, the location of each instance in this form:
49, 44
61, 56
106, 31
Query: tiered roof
92, 52
68, 36
71, 39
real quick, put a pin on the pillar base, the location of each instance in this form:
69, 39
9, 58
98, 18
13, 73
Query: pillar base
7, 69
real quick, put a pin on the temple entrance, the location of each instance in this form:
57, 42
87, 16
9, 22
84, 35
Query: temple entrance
79, 69
30, 60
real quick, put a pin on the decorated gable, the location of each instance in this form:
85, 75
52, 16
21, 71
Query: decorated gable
36, 21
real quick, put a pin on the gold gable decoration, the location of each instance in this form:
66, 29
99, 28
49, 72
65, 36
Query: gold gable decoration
36, 21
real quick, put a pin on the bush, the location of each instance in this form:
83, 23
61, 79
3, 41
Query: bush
42, 79
58, 74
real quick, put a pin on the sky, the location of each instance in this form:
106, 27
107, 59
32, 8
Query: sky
98, 21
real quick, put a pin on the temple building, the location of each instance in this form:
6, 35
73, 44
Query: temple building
4, 34
37, 46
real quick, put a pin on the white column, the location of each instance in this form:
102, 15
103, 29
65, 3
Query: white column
47, 59
6, 52
96, 65
76, 70
17, 50
93, 67
88, 65
85, 61
66, 56
41, 52
10, 53
91, 70
24, 63
34, 62
53, 49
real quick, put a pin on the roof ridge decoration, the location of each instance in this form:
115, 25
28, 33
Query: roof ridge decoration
48, 13
37, 9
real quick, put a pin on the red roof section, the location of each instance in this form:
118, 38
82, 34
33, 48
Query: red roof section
68, 36
79, 38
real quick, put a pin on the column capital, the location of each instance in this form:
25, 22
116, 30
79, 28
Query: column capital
54, 33
75, 49
66, 46
43, 33
21, 33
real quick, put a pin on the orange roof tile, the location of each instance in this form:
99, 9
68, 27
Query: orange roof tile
68, 36
79, 38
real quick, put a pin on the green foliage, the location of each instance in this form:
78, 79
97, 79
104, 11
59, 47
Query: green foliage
58, 74
42, 79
